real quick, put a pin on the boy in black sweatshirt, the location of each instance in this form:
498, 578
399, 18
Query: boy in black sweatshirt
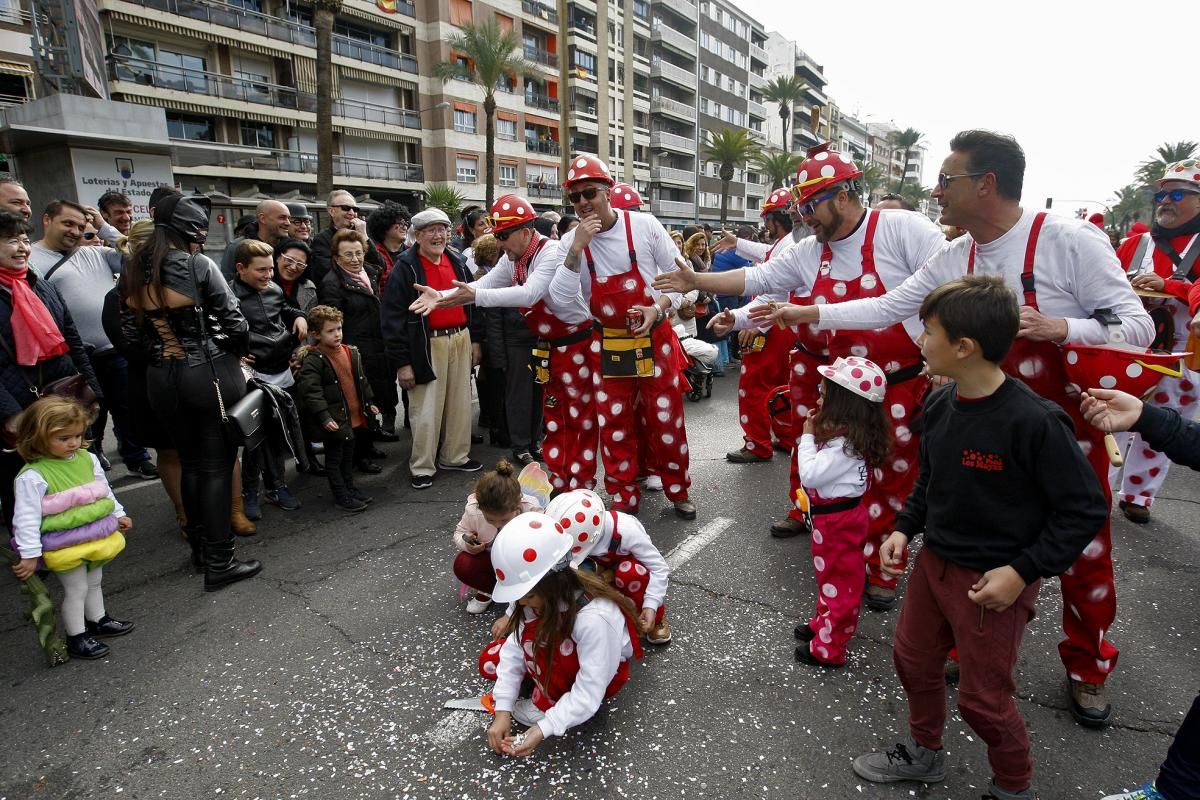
1005, 497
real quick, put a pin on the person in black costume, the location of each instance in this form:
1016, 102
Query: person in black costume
167, 294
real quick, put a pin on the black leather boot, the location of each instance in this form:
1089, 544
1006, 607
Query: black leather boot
222, 569
195, 538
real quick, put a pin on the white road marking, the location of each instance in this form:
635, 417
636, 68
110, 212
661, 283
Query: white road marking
454, 729
133, 487
692, 545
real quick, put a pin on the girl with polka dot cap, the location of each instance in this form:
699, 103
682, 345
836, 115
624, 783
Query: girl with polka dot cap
841, 443
572, 634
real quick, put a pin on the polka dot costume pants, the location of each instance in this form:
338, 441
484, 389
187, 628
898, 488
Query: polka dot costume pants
569, 401
1146, 469
761, 372
837, 548
630, 578
803, 383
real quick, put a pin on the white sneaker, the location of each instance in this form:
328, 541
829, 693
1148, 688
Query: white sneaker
478, 605
653, 483
526, 713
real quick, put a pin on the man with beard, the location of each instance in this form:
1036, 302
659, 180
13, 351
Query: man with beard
1163, 261
1073, 291
853, 253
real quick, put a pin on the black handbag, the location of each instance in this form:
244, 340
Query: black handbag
74, 386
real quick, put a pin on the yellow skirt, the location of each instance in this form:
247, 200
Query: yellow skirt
94, 554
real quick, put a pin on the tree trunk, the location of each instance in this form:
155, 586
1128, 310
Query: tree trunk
904, 173
323, 22
785, 114
489, 129
724, 200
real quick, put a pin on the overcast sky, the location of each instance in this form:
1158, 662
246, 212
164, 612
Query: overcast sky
1089, 90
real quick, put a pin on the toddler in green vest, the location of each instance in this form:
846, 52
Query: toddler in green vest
66, 515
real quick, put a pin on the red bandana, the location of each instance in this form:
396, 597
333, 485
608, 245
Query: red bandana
521, 268
34, 330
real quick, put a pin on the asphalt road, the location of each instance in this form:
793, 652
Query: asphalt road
325, 676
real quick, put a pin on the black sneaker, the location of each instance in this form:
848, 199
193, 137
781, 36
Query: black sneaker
803, 632
82, 645
106, 626
422, 481
360, 496
283, 498
470, 465
145, 470
523, 457
106, 465
351, 505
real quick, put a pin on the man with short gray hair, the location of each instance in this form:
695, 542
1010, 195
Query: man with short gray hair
344, 214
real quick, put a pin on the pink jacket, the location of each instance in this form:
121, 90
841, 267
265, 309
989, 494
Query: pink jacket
472, 522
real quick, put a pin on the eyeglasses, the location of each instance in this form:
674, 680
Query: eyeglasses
347, 209
295, 262
810, 208
943, 180
1176, 195
502, 236
89, 235
586, 194
301, 220
353, 258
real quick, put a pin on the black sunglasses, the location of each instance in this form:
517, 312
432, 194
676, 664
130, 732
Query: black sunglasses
348, 208
89, 235
502, 236
586, 194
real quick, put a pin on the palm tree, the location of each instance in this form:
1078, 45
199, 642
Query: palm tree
1131, 204
1152, 169
445, 197
324, 12
729, 147
780, 168
916, 194
491, 54
873, 178
908, 139
787, 90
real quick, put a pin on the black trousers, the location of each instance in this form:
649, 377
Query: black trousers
339, 464
522, 399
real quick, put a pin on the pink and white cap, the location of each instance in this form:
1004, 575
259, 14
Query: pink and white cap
860, 375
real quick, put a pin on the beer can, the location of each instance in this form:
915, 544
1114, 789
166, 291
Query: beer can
633, 320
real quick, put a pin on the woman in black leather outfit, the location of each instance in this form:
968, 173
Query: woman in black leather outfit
160, 293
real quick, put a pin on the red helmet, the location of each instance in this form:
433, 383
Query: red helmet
510, 211
822, 169
625, 197
586, 167
779, 199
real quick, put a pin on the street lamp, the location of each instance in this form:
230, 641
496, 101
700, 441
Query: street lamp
443, 104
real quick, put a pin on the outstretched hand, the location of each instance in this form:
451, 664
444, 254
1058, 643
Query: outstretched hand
783, 314
1110, 410
728, 242
681, 280
427, 300
721, 323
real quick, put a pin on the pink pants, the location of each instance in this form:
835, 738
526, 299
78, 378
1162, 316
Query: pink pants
837, 548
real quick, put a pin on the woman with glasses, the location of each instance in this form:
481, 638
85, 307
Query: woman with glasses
352, 287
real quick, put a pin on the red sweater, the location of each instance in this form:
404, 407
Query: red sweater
441, 276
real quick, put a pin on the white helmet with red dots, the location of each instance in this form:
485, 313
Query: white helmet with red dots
822, 169
586, 167
526, 549
779, 199
581, 514
510, 211
860, 375
1187, 170
625, 197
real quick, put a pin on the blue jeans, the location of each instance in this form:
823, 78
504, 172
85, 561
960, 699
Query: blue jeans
112, 371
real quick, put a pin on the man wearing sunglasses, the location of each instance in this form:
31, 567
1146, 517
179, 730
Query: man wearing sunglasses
559, 337
343, 215
1070, 282
1163, 262
609, 261
83, 275
853, 252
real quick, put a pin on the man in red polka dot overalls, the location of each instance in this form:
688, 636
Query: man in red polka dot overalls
1161, 265
610, 260
853, 253
1071, 285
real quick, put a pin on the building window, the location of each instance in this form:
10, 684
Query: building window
186, 126
466, 170
584, 61
506, 129
506, 84
508, 174
460, 12
256, 134
464, 121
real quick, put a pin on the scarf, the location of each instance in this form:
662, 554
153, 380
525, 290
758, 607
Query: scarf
521, 268
1162, 236
35, 333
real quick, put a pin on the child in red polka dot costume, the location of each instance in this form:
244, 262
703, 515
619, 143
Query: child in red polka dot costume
572, 634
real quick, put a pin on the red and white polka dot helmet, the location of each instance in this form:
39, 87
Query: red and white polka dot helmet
778, 199
524, 551
860, 375
1187, 170
625, 197
581, 514
1108, 367
586, 167
510, 211
822, 169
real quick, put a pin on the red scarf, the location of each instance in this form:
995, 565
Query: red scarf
34, 330
521, 268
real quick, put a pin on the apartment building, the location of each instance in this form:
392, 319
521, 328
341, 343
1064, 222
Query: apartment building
674, 100
17, 83
810, 122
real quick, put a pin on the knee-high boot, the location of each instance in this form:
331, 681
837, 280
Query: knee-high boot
220, 567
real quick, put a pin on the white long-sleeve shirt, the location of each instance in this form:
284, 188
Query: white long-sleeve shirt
656, 252
28, 489
637, 543
829, 470
496, 289
1075, 272
904, 241
741, 316
601, 641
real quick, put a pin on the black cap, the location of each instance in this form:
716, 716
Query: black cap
298, 211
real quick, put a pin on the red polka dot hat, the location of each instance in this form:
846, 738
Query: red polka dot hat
822, 169
859, 375
625, 197
581, 514
524, 551
510, 211
1115, 367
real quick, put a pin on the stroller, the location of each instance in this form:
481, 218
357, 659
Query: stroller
700, 378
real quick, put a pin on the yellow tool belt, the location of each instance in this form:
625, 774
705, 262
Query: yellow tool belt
625, 356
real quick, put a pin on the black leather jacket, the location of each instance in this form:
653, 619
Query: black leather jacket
270, 318
227, 329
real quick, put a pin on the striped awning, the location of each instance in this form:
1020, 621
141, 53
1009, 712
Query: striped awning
277, 49
16, 68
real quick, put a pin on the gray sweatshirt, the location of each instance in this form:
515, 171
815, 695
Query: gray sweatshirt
83, 280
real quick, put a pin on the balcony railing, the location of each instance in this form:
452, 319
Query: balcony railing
535, 9
544, 189
541, 101
757, 109
213, 84
550, 147
260, 159
668, 71
670, 141
285, 30
757, 81
544, 57
665, 105
758, 52
673, 175
665, 34
673, 207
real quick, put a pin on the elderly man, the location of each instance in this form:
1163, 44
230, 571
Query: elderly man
343, 215
117, 210
1161, 265
610, 260
14, 198
433, 355
83, 276
1071, 284
274, 225
302, 222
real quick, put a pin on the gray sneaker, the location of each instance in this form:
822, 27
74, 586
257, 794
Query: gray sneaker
908, 762
996, 793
